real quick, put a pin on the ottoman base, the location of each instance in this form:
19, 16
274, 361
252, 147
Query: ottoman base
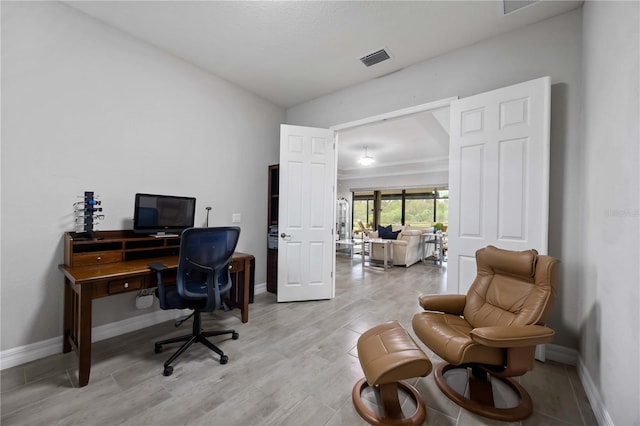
391, 411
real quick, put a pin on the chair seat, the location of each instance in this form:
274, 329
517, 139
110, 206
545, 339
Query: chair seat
449, 337
175, 301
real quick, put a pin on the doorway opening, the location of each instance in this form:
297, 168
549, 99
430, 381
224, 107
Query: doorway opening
408, 150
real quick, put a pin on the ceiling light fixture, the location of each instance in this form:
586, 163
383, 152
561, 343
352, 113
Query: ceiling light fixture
367, 160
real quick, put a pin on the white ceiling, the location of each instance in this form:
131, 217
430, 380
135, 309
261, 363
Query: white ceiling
409, 144
290, 52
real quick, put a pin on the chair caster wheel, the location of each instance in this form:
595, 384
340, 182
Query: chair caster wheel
168, 370
224, 359
157, 349
235, 336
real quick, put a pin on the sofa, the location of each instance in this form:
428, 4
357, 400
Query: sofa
406, 247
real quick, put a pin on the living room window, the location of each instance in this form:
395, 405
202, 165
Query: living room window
442, 206
363, 209
415, 207
419, 208
391, 208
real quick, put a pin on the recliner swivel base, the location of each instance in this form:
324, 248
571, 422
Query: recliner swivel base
480, 399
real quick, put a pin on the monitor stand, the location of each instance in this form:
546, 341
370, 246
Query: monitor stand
163, 235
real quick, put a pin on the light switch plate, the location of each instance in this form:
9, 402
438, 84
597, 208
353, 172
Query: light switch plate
235, 218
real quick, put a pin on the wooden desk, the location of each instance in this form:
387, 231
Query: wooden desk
117, 263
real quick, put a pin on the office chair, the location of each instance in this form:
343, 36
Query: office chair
492, 331
202, 284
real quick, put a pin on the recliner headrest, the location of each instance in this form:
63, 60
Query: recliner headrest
517, 263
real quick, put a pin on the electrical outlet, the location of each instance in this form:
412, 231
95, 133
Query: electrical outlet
235, 218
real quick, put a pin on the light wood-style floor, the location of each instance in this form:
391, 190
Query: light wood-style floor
294, 364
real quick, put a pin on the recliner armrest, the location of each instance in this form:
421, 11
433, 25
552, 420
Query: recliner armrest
512, 336
447, 303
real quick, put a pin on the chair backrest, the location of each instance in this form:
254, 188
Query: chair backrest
511, 288
205, 254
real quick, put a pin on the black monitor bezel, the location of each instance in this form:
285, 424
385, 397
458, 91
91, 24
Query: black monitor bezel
137, 228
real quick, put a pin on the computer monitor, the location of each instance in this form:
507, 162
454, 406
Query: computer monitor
163, 215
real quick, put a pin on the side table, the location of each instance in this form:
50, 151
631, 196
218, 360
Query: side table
387, 248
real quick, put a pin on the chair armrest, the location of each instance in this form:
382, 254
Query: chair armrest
512, 336
447, 303
158, 268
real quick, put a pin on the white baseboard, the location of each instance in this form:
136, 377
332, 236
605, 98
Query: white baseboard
562, 354
260, 288
593, 395
23, 354
569, 356
27, 353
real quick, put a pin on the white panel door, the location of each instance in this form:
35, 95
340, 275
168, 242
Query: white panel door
305, 219
498, 175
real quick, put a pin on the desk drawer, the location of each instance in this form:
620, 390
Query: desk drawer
86, 259
123, 285
236, 266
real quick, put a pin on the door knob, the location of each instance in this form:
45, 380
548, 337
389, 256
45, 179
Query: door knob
283, 235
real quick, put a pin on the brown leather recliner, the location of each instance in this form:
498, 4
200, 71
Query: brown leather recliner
493, 330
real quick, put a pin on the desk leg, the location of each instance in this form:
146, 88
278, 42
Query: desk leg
84, 319
67, 322
245, 290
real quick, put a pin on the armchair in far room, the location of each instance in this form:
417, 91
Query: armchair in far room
203, 282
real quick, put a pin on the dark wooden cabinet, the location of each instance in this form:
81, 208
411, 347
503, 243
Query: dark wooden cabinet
274, 188
272, 221
272, 270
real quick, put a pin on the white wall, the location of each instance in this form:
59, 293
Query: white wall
610, 274
551, 47
86, 107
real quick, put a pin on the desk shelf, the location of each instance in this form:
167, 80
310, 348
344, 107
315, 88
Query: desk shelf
116, 246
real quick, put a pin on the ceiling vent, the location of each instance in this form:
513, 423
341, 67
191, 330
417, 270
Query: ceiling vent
513, 5
375, 57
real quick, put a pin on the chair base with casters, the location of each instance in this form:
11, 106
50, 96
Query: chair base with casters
388, 355
197, 336
481, 400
